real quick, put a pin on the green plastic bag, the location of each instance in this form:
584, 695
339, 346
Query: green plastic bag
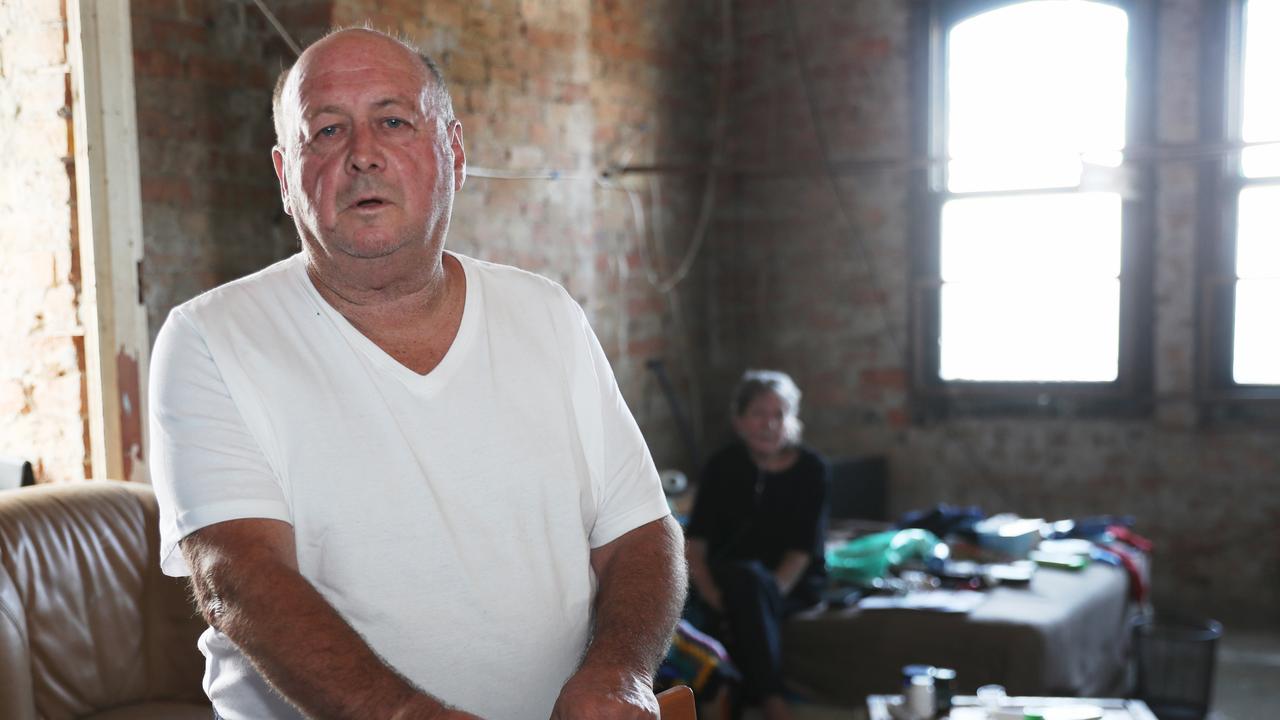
862, 560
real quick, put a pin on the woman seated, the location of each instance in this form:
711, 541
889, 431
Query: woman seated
755, 537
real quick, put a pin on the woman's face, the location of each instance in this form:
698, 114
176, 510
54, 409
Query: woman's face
763, 425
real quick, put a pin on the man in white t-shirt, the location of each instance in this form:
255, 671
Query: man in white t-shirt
403, 482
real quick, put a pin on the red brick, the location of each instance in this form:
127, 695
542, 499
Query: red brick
646, 348
887, 378
549, 39
176, 34
157, 63
166, 190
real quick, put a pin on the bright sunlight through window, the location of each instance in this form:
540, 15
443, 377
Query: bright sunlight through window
1257, 344
1030, 263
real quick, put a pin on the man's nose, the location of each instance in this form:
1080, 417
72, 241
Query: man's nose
365, 152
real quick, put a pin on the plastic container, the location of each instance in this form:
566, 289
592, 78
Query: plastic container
944, 687
919, 697
1175, 659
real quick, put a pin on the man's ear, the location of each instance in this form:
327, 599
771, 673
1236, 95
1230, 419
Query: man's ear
459, 156
277, 159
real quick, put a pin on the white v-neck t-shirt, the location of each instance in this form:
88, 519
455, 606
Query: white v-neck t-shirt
449, 517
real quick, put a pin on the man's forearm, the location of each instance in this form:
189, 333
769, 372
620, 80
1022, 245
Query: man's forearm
296, 639
642, 588
303, 647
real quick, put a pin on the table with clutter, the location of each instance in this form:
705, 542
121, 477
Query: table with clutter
968, 707
1051, 618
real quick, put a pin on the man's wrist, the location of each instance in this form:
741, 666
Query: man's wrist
420, 706
616, 672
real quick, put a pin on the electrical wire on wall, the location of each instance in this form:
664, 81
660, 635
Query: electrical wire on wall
824, 150
651, 241
275, 24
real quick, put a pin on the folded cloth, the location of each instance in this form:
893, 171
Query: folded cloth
1131, 538
15, 472
697, 660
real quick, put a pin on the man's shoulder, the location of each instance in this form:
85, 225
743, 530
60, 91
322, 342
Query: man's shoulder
522, 297
252, 289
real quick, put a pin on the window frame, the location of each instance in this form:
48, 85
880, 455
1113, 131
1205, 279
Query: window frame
932, 397
1221, 183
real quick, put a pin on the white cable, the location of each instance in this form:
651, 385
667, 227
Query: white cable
707, 206
547, 174
284, 34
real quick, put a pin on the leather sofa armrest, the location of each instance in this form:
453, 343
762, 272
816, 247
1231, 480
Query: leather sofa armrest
17, 701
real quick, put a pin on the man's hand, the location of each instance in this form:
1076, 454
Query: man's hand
642, 587
598, 694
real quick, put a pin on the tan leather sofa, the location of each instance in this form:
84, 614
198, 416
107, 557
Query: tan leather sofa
89, 627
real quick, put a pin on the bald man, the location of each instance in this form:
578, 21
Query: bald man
403, 481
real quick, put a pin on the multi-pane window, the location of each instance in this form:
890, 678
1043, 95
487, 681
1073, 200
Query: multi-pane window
1256, 342
1030, 114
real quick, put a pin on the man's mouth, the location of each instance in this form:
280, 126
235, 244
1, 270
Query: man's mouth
370, 202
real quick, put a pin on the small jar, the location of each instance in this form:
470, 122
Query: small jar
944, 686
919, 697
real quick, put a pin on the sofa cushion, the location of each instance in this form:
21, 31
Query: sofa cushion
86, 618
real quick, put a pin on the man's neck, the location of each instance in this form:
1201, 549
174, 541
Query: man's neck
410, 309
363, 286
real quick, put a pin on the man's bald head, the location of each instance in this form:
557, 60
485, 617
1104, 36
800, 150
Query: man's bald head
437, 90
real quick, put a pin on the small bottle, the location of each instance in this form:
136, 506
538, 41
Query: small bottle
944, 686
920, 698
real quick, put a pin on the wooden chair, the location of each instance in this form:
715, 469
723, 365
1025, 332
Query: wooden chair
677, 703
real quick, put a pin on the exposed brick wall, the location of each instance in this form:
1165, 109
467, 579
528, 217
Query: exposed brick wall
793, 291
42, 353
569, 86
203, 71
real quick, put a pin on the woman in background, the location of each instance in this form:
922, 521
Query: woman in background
755, 537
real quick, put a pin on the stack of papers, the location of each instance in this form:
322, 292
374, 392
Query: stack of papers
947, 601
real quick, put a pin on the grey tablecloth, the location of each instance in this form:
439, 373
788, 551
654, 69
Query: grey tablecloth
1064, 634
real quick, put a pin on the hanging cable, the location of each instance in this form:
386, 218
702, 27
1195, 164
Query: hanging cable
707, 206
824, 149
275, 23
548, 174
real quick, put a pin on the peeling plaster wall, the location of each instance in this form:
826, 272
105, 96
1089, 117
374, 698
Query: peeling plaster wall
794, 290
42, 355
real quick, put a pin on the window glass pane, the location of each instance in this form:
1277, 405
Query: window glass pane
1031, 237
1261, 114
1257, 346
1258, 233
1030, 87
1030, 331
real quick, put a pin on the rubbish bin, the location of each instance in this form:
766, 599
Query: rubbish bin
1175, 660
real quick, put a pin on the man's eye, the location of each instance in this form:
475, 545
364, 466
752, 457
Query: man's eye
394, 123
328, 131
